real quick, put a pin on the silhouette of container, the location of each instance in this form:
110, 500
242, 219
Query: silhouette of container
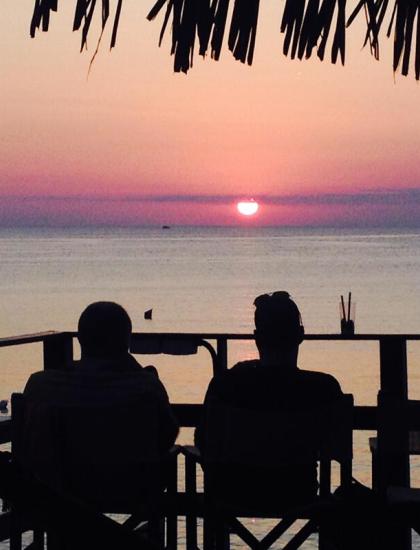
347, 318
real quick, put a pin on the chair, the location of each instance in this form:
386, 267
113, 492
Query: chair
105, 456
398, 432
398, 438
272, 443
47, 510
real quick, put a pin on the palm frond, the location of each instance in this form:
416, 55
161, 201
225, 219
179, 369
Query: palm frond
41, 15
406, 13
218, 23
308, 26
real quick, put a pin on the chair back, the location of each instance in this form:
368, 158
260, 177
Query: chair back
107, 455
260, 438
270, 439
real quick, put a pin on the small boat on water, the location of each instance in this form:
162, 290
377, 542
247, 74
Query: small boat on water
166, 226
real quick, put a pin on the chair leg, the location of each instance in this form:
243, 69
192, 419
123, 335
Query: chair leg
191, 490
276, 532
191, 532
297, 540
55, 540
171, 533
208, 532
38, 540
156, 530
244, 534
222, 538
15, 530
322, 541
172, 518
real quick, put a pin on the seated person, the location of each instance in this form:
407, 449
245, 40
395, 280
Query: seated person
271, 383
106, 375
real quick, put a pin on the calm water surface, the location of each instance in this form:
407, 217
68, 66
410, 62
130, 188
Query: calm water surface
205, 279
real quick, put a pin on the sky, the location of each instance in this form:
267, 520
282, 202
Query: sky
134, 143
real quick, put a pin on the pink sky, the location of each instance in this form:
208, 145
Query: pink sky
294, 134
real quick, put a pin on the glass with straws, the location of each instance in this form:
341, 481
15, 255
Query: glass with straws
347, 316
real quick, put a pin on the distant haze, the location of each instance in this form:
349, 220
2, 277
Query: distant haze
135, 144
376, 208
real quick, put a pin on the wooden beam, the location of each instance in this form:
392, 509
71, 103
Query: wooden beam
58, 351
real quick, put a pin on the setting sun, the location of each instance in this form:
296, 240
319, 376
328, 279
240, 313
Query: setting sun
247, 208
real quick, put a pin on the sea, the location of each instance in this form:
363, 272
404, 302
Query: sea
204, 279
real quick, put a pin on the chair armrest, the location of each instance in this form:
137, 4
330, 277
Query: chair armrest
403, 495
192, 452
175, 450
5, 429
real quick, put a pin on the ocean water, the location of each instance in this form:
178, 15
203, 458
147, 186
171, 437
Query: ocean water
205, 279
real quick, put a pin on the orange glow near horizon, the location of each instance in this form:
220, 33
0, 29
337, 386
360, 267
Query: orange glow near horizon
280, 128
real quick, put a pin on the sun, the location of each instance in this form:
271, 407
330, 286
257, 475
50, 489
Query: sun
247, 208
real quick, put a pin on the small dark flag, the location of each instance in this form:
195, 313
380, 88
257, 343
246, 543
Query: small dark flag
148, 314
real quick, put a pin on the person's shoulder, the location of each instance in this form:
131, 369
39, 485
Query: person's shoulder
46, 383
321, 380
244, 367
145, 380
42, 377
239, 372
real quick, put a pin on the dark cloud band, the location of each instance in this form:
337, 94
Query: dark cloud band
371, 197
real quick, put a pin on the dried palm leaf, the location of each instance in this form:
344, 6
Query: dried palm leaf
41, 15
243, 30
307, 26
291, 24
309, 31
190, 19
219, 24
405, 15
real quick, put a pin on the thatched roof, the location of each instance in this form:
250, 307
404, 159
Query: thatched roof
308, 27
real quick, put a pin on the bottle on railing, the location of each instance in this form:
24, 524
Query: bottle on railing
347, 315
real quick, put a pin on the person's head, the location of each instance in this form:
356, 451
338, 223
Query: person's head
278, 324
104, 331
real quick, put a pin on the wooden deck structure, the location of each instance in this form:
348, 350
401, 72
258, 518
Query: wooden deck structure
389, 418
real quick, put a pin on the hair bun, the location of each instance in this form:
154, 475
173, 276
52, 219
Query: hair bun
277, 296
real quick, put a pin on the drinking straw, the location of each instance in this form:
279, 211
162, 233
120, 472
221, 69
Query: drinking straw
343, 307
348, 317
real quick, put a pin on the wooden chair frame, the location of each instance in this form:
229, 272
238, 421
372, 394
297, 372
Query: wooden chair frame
153, 515
220, 518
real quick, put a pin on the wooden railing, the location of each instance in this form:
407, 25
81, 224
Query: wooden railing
392, 430
58, 351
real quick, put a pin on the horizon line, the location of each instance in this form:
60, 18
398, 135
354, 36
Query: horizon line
161, 225
371, 196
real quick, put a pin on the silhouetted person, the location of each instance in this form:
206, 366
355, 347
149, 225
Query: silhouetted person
271, 383
107, 374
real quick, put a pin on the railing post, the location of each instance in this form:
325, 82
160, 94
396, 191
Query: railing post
393, 358
222, 354
393, 459
191, 491
58, 351
172, 518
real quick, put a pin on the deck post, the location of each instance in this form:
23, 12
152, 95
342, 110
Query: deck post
222, 354
172, 518
191, 491
393, 362
393, 459
58, 351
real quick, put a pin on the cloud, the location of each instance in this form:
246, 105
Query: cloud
381, 197
370, 197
